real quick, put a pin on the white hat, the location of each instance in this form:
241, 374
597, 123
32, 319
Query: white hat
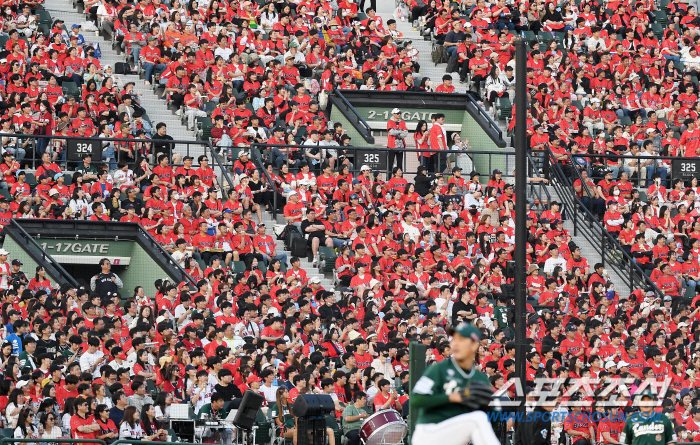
469, 24
303, 182
365, 167
4, 252
610, 364
490, 200
22, 383
292, 193
622, 364
651, 130
262, 368
160, 319
315, 280
395, 111
373, 283
243, 153
353, 335
53, 192
682, 324
595, 100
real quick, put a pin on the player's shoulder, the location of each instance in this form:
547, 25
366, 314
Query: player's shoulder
439, 368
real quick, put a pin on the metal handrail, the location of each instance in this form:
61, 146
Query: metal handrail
483, 114
535, 172
367, 136
565, 191
220, 164
44, 254
579, 177
141, 232
165, 253
261, 166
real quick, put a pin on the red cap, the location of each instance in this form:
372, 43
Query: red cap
254, 378
495, 346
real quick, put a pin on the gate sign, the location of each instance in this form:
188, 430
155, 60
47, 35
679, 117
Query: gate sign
77, 149
374, 160
686, 168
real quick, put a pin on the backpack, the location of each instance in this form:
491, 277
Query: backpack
452, 65
122, 68
291, 232
298, 245
284, 235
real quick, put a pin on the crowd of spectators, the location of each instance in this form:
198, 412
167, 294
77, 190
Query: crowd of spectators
413, 257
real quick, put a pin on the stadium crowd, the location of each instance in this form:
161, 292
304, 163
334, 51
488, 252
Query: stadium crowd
412, 258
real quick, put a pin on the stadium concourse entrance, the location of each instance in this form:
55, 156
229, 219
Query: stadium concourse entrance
364, 115
70, 251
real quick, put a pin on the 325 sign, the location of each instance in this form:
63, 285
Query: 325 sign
685, 169
77, 149
375, 161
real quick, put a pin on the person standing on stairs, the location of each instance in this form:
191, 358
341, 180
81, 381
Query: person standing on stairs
396, 127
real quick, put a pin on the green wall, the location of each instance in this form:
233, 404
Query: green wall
17, 252
142, 271
455, 120
80, 258
479, 140
357, 140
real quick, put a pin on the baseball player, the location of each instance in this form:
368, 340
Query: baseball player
452, 395
648, 427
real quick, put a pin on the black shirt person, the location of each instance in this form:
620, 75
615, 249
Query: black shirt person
106, 281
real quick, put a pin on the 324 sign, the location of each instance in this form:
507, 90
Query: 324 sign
685, 169
77, 149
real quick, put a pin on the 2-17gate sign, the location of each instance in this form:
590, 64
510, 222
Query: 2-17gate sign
77, 149
685, 169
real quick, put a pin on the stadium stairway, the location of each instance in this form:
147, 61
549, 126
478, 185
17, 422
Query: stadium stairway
155, 107
435, 72
158, 112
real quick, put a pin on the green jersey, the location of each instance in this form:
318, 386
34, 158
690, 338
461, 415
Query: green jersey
648, 429
500, 314
90, 170
287, 417
431, 394
27, 359
210, 413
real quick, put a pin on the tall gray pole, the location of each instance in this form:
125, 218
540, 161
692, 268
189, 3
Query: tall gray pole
520, 213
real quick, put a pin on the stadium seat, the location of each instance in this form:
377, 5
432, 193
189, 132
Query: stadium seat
71, 89
544, 37
238, 266
44, 17
210, 106
31, 180
529, 36
626, 120
505, 107
328, 256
